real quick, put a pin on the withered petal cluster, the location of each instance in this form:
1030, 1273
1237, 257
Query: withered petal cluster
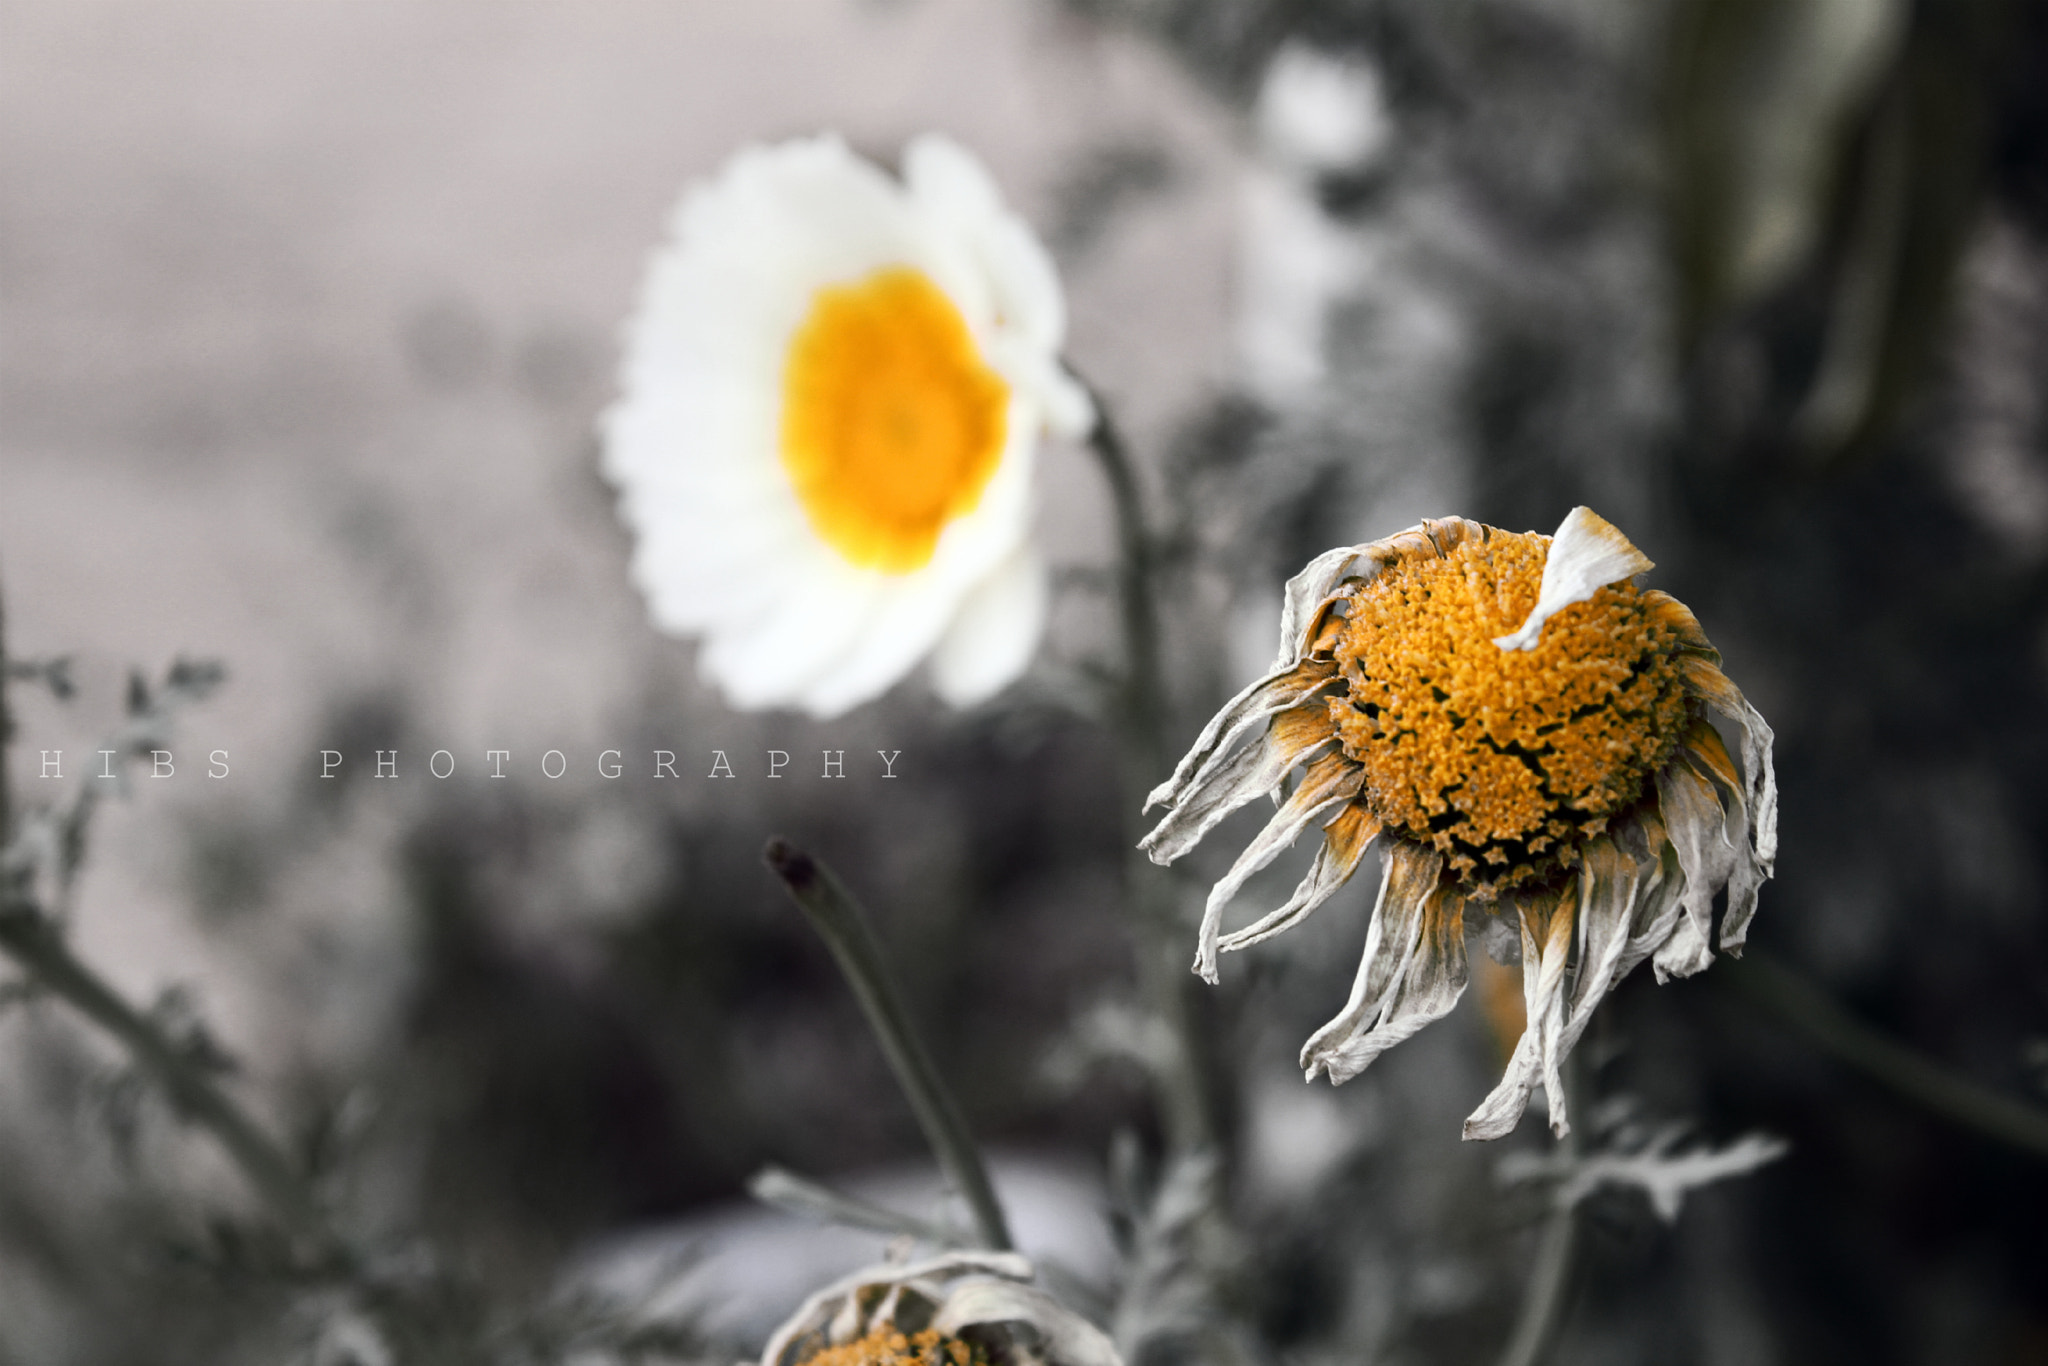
1523, 733
957, 1309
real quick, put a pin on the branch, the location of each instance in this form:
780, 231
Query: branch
837, 918
31, 941
1906, 1071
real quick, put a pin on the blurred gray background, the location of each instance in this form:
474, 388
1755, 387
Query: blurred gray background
307, 312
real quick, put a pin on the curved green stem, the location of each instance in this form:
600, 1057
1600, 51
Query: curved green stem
837, 918
1140, 700
1911, 1074
1550, 1275
6, 730
1140, 726
32, 942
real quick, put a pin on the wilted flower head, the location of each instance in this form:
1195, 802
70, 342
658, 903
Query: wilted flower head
1523, 732
832, 392
961, 1309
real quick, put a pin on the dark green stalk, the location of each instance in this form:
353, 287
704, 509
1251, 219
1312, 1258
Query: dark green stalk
786, 1190
837, 918
1543, 1297
1139, 717
1141, 702
6, 730
1907, 1072
30, 940
28, 937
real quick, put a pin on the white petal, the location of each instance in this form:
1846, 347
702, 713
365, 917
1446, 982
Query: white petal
1659, 884
1608, 885
993, 634
1327, 784
914, 610
1307, 591
1346, 837
1684, 953
773, 661
1067, 1338
837, 1309
952, 185
1535, 1057
1698, 830
1586, 555
1217, 751
1413, 969
1248, 774
1759, 771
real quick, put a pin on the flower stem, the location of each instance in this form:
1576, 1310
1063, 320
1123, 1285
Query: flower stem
1543, 1297
1907, 1072
1139, 722
27, 936
1140, 714
6, 730
785, 1190
838, 919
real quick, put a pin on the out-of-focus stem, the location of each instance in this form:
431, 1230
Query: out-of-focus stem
28, 937
30, 940
837, 918
1917, 1078
1140, 725
786, 1190
1140, 699
6, 728
1550, 1273
1543, 1299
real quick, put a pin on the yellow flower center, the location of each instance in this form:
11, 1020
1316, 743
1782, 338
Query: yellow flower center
891, 423
888, 1347
1505, 760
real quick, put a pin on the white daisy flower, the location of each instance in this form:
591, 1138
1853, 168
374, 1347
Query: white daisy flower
832, 393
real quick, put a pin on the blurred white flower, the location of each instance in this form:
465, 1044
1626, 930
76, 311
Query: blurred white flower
832, 393
1318, 112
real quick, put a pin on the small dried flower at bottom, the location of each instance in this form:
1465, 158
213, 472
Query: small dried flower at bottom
961, 1309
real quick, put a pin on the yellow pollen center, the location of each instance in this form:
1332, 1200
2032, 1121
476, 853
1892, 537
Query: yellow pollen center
891, 423
888, 1347
1505, 760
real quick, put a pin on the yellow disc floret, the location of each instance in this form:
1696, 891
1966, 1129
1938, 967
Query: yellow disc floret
891, 423
889, 1347
1505, 760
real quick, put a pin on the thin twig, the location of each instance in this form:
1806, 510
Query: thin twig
27, 936
6, 728
800, 1195
1544, 1295
1543, 1298
1140, 725
837, 918
35, 943
1141, 697
1909, 1073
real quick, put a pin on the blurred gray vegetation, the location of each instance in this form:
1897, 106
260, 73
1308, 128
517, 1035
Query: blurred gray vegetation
1763, 281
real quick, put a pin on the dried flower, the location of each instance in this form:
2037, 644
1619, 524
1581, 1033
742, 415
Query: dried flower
832, 394
961, 1309
1523, 731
